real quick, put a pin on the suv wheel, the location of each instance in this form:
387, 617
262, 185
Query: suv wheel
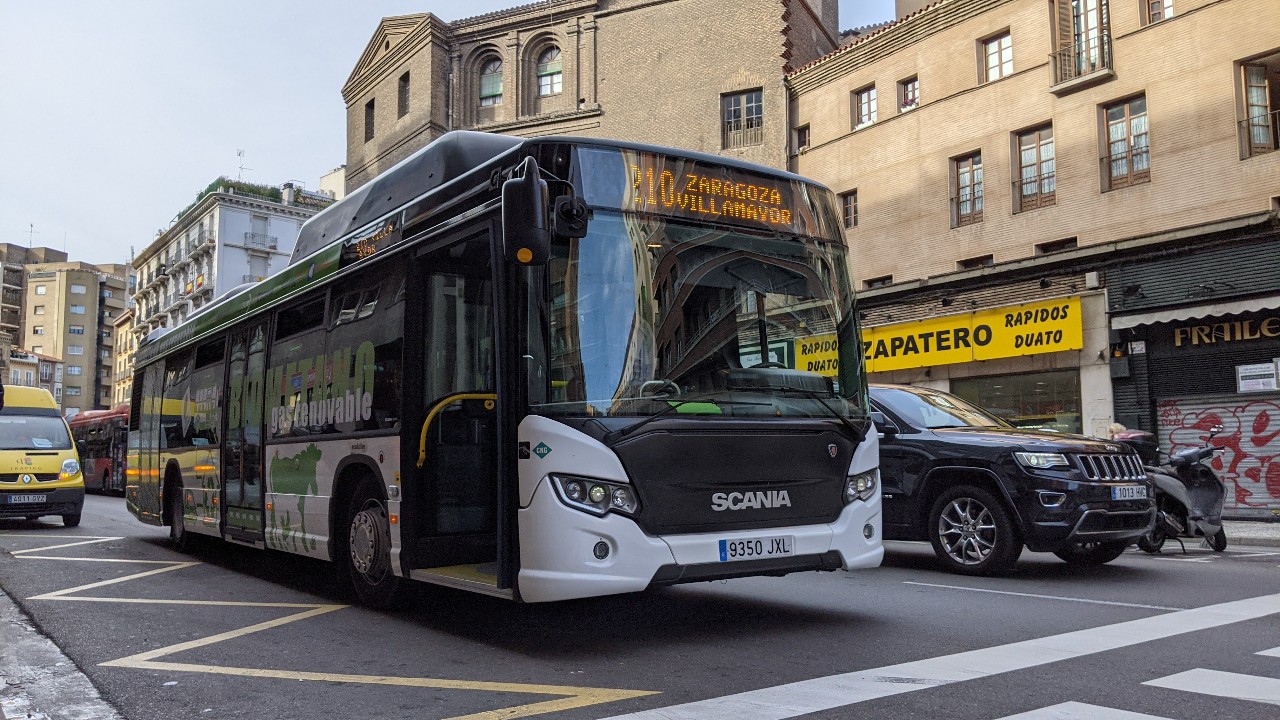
1092, 553
972, 533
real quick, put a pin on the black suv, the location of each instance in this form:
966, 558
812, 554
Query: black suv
980, 489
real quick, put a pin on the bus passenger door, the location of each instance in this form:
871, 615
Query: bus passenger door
242, 449
454, 444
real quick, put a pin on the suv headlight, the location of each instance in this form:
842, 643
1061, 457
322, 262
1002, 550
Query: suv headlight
597, 497
1041, 461
860, 487
70, 469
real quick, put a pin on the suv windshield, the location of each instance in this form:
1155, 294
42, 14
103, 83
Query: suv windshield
925, 408
648, 315
33, 432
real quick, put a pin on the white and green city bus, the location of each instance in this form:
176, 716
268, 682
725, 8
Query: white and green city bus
540, 369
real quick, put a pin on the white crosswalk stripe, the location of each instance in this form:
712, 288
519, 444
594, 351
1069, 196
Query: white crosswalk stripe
1223, 684
1081, 711
1273, 652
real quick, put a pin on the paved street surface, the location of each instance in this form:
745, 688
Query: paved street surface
226, 632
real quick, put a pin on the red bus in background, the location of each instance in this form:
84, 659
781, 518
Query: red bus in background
101, 437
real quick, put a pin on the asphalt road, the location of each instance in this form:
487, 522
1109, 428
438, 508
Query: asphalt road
229, 632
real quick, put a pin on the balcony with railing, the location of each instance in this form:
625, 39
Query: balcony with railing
1085, 62
260, 241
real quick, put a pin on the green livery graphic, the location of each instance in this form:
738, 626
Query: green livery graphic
292, 475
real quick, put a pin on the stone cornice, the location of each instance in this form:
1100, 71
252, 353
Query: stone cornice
520, 18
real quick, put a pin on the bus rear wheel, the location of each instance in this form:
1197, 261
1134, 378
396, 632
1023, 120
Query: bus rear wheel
181, 540
366, 556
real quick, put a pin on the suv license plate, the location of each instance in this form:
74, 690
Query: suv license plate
1129, 492
758, 547
15, 499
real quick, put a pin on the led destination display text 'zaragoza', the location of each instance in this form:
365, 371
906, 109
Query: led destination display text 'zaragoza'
697, 194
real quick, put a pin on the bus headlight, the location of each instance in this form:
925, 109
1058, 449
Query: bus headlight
597, 497
860, 487
70, 469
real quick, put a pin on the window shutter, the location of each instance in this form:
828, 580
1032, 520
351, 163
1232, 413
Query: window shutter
1065, 23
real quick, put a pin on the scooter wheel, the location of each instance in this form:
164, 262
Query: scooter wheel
1152, 541
1218, 542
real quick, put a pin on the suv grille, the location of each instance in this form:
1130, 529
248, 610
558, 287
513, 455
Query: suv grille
1113, 468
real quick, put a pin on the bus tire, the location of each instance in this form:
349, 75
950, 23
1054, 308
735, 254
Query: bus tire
71, 520
365, 550
179, 538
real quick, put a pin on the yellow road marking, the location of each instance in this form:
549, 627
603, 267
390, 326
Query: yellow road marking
571, 697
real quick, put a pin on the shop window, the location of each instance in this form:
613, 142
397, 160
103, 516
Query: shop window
1042, 401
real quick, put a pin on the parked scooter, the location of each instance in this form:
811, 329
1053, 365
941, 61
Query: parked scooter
1189, 496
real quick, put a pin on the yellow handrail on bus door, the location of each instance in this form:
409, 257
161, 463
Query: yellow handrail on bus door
449, 400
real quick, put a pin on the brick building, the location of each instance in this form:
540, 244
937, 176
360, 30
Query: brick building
1087, 191
597, 68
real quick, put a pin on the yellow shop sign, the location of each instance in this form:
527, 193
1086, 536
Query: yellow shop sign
1040, 327
819, 353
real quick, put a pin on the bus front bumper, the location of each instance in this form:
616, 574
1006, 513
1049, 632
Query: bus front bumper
561, 550
34, 503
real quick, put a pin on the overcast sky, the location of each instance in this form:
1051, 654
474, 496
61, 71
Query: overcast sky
115, 113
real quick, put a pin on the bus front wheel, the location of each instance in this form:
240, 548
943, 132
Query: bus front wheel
181, 540
367, 555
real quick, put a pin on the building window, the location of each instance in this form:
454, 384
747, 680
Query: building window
998, 55
75, 370
966, 189
1084, 39
1128, 159
875, 282
1261, 124
1036, 182
1157, 10
491, 83
802, 138
974, 263
30, 377
37, 330
75, 349
79, 290
39, 310
402, 96
46, 373
550, 72
864, 107
42, 289
849, 202
1053, 246
77, 309
73, 391
368, 121
14, 376
75, 330
743, 119
37, 349
908, 94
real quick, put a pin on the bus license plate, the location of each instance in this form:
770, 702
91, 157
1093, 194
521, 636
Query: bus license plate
760, 547
15, 499
1129, 492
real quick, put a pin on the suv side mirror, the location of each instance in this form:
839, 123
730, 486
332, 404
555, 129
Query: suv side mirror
526, 232
884, 426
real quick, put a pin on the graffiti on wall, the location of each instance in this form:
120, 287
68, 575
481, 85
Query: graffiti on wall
1250, 438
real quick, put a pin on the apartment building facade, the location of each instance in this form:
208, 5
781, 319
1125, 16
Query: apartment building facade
233, 234
1067, 211
69, 311
125, 343
13, 258
594, 68
30, 369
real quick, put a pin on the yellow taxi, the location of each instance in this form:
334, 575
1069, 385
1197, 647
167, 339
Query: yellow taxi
39, 467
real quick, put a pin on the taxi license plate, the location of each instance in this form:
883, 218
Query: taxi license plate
1129, 492
758, 547
15, 499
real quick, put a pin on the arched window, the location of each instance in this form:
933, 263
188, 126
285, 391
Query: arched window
550, 72
491, 82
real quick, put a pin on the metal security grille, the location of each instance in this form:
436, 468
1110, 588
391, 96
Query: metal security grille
1125, 467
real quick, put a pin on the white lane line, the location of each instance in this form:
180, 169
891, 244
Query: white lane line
1044, 597
1223, 684
1081, 711
820, 694
1273, 652
1253, 554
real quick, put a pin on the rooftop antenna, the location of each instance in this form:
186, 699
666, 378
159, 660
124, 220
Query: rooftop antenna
239, 175
31, 230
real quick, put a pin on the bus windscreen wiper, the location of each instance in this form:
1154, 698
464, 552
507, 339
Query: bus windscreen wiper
673, 406
859, 432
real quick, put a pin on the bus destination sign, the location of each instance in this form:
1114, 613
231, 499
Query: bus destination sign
372, 241
677, 187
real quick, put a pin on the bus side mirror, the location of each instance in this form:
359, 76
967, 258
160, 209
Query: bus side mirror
526, 232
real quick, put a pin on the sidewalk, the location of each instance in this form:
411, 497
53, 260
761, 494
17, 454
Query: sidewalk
38, 682
1252, 533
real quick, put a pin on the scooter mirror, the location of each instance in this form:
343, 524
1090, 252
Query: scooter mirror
1214, 431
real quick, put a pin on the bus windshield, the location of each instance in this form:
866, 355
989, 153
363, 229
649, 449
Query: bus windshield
649, 315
